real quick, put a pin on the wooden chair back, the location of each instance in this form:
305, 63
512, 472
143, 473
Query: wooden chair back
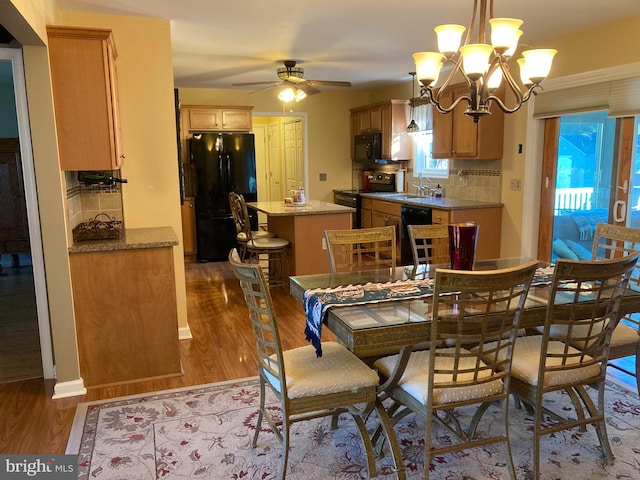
429, 244
361, 249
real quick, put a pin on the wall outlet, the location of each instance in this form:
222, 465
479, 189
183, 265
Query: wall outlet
515, 184
323, 177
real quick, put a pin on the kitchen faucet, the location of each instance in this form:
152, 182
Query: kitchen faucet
426, 190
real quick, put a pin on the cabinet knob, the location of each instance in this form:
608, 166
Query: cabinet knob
123, 155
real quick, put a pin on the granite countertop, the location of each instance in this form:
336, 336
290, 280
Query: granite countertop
132, 238
312, 207
445, 203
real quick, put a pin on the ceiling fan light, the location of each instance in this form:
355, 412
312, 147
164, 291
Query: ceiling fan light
449, 37
504, 33
538, 63
286, 95
299, 95
428, 65
475, 59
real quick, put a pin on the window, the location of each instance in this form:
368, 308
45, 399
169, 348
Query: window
423, 162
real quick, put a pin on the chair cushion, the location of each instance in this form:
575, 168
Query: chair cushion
338, 370
268, 243
414, 378
624, 335
526, 359
256, 234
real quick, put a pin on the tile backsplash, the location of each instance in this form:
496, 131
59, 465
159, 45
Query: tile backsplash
85, 202
468, 179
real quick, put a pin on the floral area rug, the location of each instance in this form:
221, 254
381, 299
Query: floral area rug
205, 432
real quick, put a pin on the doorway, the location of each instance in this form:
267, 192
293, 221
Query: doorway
25, 351
280, 154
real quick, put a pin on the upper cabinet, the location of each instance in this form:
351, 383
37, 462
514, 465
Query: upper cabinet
455, 135
230, 119
389, 118
84, 83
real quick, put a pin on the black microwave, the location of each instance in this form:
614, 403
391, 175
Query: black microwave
367, 147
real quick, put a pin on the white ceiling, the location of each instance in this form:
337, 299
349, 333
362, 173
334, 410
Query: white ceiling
219, 42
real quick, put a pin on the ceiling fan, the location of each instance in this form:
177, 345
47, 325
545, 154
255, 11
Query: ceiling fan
293, 77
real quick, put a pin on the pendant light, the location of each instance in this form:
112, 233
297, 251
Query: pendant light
413, 126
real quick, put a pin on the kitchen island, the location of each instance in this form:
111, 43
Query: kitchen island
124, 299
303, 226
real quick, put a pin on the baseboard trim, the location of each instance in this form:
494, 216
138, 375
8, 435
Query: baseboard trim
69, 389
184, 333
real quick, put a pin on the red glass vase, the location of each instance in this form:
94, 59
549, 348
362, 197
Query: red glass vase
462, 245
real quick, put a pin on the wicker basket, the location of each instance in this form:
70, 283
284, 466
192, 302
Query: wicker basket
98, 229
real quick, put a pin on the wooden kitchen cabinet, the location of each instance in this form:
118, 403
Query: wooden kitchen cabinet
365, 213
126, 315
489, 220
389, 118
189, 229
455, 135
387, 213
85, 95
212, 118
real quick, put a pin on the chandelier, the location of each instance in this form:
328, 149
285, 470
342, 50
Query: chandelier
484, 66
289, 94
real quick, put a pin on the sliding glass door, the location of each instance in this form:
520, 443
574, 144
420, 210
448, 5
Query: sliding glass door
591, 174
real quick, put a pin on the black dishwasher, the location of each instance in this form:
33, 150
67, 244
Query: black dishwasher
411, 215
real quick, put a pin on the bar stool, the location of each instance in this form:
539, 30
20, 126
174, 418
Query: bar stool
256, 244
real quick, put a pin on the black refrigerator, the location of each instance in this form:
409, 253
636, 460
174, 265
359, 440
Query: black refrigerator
222, 163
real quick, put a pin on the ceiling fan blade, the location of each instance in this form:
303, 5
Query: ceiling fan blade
307, 88
266, 88
244, 84
329, 83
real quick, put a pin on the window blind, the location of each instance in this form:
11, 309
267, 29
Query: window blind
620, 97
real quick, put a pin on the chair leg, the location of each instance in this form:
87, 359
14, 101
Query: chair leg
396, 455
260, 414
366, 441
285, 446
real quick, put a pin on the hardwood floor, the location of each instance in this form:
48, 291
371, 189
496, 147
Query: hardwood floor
222, 348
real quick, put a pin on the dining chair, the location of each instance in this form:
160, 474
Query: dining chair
571, 353
361, 249
469, 310
429, 245
612, 241
305, 385
252, 246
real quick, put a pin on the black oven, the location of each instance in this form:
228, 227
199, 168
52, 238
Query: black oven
349, 198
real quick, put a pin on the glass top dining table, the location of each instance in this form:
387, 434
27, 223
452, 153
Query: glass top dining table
372, 330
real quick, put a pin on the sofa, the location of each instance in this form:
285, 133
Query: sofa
573, 232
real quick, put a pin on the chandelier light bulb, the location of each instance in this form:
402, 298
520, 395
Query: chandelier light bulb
495, 79
512, 49
475, 59
504, 33
428, 65
524, 75
538, 63
449, 38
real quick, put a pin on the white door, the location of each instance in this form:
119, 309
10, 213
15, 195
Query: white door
275, 163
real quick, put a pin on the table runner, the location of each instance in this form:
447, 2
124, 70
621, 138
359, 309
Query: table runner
318, 301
